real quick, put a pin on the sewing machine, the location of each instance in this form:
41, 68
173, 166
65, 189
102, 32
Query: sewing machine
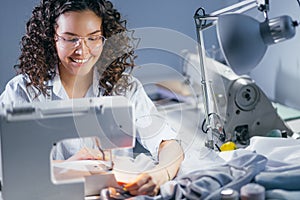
243, 108
28, 133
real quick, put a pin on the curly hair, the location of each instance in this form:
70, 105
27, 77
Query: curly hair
38, 59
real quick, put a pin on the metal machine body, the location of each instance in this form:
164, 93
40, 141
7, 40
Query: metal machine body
249, 112
242, 106
28, 133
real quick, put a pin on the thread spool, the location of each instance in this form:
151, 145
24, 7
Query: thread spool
252, 191
229, 194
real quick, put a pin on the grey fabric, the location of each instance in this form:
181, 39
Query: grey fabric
287, 180
243, 169
282, 195
279, 174
282, 183
207, 184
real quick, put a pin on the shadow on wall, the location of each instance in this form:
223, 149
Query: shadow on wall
287, 86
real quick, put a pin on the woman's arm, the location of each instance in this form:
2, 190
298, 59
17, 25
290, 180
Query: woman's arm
170, 157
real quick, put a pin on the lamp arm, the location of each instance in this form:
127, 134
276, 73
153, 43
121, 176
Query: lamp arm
208, 103
235, 8
199, 23
240, 7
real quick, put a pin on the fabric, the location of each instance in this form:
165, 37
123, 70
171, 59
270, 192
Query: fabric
279, 194
152, 128
207, 184
273, 163
288, 179
126, 169
279, 151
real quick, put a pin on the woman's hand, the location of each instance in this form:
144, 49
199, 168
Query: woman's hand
87, 154
147, 183
142, 185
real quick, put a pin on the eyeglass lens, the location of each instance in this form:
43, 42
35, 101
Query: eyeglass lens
91, 42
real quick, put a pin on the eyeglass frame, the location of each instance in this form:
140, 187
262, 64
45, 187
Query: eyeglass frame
79, 41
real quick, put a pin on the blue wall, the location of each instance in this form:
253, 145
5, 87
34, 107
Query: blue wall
174, 16
13, 16
166, 27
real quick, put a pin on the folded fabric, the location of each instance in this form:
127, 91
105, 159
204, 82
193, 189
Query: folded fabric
200, 184
251, 164
287, 180
282, 195
284, 150
207, 184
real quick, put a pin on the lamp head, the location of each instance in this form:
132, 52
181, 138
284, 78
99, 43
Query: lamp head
244, 40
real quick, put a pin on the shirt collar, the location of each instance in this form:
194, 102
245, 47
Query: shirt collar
59, 90
97, 91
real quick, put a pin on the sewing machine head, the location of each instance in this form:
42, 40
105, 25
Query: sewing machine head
241, 106
28, 133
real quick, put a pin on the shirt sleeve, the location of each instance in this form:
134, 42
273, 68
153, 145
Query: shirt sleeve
15, 92
152, 126
66, 148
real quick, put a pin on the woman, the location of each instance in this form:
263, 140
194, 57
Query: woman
80, 48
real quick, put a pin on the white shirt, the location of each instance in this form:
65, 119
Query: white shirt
152, 128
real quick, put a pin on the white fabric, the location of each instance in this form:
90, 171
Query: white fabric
279, 151
151, 129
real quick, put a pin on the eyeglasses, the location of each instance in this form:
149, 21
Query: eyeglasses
72, 42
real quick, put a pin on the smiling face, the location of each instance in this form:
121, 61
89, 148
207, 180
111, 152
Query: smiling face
79, 28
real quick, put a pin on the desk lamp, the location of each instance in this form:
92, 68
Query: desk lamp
243, 42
